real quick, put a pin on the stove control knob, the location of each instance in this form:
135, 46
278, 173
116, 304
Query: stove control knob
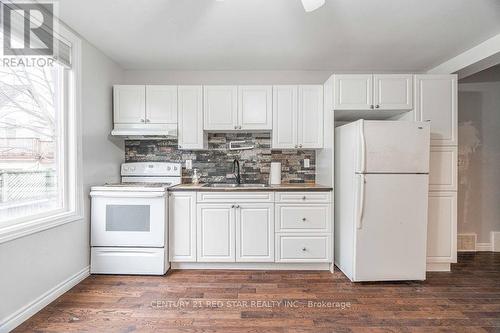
168, 168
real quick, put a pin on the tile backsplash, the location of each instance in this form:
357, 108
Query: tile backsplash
215, 163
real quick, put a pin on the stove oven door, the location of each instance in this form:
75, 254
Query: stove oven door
133, 219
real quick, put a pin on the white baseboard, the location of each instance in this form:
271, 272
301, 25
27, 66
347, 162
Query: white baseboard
481, 247
251, 266
21, 315
438, 267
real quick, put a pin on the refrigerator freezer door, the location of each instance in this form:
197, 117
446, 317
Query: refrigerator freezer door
393, 147
390, 241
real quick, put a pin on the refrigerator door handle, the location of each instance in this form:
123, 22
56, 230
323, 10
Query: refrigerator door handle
362, 146
361, 201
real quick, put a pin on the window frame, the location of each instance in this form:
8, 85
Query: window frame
69, 150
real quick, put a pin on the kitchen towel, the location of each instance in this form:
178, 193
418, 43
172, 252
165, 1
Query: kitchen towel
275, 175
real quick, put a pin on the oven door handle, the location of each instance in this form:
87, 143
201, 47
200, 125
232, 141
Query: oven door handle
112, 194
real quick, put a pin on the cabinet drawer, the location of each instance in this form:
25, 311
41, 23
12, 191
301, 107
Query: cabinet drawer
232, 197
302, 248
302, 218
443, 169
303, 197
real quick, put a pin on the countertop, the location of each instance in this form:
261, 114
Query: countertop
282, 187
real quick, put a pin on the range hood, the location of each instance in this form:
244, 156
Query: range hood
145, 131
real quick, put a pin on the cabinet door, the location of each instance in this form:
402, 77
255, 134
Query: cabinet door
443, 170
182, 226
442, 227
393, 92
190, 112
255, 232
161, 104
436, 101
215, 233
310, 116
353, 92
220, 107
285, 117
129, 104
255, 107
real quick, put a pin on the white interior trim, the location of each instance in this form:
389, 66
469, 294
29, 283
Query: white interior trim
438, 267
479, 52
39, 303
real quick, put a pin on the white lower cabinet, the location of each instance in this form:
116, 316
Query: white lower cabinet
303, 248
215, 232
182, 226
442, 227
255, 232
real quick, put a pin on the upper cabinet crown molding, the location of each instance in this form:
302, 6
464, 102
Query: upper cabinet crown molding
298, 117
373, 92
436, 102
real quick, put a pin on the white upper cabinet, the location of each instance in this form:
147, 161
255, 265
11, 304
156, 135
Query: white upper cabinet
285, 116
393, 92
310, 116
353, 92
436, 102
129, 104
220, 107
161, 104
255, 107
298, 117
190, 113
367, 92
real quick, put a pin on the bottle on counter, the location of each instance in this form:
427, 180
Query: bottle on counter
195, 179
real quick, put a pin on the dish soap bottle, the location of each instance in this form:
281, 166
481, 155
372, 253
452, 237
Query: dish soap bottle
195, 179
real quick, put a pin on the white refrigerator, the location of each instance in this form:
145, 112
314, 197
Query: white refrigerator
381, 198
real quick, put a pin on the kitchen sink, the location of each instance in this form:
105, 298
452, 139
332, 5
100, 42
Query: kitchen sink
226, 185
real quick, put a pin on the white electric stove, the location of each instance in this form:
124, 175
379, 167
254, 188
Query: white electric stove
129, 220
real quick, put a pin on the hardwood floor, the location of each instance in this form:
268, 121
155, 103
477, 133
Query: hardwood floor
465, 300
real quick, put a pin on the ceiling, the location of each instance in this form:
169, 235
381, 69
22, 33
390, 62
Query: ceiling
343, 35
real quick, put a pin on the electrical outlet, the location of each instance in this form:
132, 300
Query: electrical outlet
306, 163
189, 164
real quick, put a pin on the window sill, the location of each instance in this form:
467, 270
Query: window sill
23, 229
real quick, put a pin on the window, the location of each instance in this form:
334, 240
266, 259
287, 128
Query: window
32, 131
40, 185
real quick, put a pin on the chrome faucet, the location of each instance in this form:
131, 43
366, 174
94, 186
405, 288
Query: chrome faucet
236, 171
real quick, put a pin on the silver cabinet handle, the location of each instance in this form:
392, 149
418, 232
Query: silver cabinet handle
303, 219
377, 106
237, 206
304, 249
232, 206
240, 127
296, 146
235, 127
142, 120
304, 197
371, 106
147, 120
300, 146
180, 146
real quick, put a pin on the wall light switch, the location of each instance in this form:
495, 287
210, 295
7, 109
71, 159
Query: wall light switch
189, 164
306, 163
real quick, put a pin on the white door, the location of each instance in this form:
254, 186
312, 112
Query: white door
393, 147
391, 227
284, 117
129, 104
255, 107
215, 232
443, 172
393, 91
255, 232
353, 92
436, 102
190, 113
182, 224
442, 229
161, 104
220, 107
310, 116
130, 219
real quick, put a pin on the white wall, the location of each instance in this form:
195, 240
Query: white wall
225, 77
33, 265
479, 154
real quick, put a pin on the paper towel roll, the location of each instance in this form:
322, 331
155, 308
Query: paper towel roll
275, 175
